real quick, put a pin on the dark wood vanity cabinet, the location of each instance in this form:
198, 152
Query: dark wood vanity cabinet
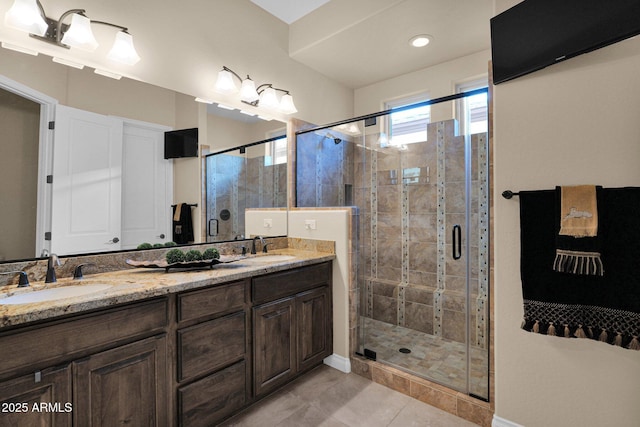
213, 357
292, 324
190, 359
19, 395
102, 368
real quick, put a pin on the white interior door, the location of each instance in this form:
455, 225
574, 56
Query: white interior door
147, 189
87, 175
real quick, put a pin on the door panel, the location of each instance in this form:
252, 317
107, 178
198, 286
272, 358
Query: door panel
87, 180
146, 187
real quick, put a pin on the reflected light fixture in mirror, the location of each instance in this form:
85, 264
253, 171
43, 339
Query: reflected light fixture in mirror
29, 16
264, 96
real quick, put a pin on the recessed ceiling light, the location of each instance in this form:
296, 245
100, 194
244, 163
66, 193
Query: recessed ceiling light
420, 40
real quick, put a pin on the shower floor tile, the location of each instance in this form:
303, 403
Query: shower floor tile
434, 358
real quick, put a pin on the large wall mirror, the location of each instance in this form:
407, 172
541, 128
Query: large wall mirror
245, 186
25, 166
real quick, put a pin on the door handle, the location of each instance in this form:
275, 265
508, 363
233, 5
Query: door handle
161, 236
210, 228
113, 241
456, 242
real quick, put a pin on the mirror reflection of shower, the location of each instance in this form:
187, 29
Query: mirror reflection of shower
241, 180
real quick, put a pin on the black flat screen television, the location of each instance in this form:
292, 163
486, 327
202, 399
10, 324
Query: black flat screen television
181, 143
537, 33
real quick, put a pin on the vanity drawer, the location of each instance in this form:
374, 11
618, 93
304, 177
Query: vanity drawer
210, 399
210, 345
278, 285
38, 346
213, 301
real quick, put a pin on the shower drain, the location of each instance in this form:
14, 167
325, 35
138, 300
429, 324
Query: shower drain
404, 350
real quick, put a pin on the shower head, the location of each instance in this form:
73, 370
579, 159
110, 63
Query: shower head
336, 140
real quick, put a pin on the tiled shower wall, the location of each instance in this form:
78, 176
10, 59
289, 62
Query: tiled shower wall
325, 173
235, 183
410, 200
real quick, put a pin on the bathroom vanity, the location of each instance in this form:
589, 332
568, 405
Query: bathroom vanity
162, 349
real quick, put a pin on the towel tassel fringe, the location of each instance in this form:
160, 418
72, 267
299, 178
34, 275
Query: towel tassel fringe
618, 340
551, 330
580, 332
603, 336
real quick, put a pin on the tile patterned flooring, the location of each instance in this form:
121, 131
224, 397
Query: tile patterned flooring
328, 397
434, 358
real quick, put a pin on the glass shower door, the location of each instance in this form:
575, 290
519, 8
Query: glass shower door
424, 248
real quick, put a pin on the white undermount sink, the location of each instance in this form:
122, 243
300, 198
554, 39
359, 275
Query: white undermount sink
54, 294
271, 258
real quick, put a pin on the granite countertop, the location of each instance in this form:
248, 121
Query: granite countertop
137, 284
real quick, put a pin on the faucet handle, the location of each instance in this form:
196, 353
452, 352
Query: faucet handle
23, 282
264, 247
77, 272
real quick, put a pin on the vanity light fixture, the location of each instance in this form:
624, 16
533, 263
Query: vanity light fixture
29, 16
265, 95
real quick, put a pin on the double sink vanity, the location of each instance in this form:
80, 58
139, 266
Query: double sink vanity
147, 348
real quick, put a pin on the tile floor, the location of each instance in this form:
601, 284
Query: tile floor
435, 358
328, 397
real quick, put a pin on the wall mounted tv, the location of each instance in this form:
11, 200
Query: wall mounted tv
537, 33
181, 143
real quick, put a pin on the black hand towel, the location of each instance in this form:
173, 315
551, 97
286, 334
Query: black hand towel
183, 228
605, 308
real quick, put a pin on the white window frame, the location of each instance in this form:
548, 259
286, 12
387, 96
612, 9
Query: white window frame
401, 102
462, 113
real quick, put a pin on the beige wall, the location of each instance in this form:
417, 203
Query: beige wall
575, 122
224, 133
20, 124
86, 90
439, 80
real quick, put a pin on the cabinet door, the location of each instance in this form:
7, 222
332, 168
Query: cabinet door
274, 344
313, 309
37, 400
123, 386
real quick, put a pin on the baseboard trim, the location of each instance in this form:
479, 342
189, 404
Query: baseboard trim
501, 422
342, 364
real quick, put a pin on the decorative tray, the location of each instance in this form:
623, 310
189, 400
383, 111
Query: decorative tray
161, 263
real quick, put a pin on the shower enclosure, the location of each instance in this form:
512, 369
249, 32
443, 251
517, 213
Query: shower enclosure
253, 176
422, 193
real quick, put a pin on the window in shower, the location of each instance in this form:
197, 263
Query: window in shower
408, 126
276, 152
472, 110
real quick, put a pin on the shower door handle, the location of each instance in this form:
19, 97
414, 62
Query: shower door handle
210, 228
456, 242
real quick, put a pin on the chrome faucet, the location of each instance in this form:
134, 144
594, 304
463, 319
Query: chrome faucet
253, 244
52, 263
